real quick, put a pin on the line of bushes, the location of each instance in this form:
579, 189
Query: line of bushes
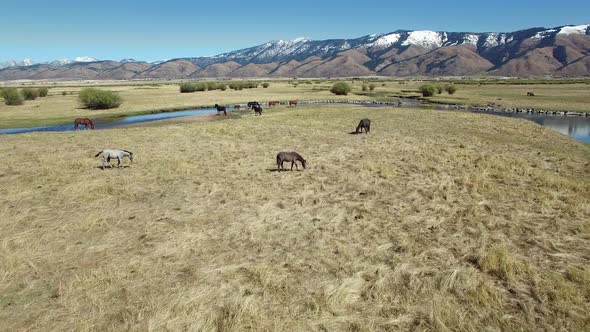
209, 86
428, 90
14, 97
97, 99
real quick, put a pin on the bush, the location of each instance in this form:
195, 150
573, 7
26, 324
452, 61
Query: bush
30, 93
192, 87
99, 99
451, 89
372, 86
12, 97
265, 85
43, 92
427, 90
439, 89
340, 88
222, 86
365, 88
63, 93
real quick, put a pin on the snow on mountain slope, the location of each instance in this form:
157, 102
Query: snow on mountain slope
425, 38
575, 30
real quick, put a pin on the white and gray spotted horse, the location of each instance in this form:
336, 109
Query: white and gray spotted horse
109, 154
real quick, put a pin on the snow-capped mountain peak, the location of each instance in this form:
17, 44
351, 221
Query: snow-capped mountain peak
575, 30
425, 38
84, 59
386, 40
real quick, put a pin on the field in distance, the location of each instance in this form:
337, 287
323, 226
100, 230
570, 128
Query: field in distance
435, 221
139, 98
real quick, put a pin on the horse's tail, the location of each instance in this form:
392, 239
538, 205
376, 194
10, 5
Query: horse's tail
98, 154
91, 123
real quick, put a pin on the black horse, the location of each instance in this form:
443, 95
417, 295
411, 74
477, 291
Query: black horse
220, 109
364, 123
251, 104
293, 157
257, 110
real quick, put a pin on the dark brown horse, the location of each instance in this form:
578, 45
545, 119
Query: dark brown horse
220, 109
273, 103
293, 102
257, 110
364, 123
83, 121
530, 94
293, 157
251, 104
237, 107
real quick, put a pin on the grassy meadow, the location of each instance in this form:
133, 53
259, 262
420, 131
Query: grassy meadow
140, 98
435, 221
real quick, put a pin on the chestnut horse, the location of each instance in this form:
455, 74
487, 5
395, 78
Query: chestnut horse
273, 103
293, 102
83, 121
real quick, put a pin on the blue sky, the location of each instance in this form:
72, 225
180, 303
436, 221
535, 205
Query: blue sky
154, 30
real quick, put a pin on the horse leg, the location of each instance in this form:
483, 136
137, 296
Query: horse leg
118, 161
292, 163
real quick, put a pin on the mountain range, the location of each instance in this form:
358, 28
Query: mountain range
562, 51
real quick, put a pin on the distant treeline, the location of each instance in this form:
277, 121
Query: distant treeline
209, 86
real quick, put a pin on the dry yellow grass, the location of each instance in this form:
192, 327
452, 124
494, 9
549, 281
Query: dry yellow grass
433, 222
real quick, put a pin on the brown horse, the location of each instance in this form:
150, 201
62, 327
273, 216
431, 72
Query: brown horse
293, 157
257, 110
530, 94
273, 103
293, 102
83, 121
363, 124
220, 109
237, 107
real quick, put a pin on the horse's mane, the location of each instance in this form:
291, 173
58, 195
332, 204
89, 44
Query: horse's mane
127, 151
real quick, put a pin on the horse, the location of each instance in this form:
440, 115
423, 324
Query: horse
530, 94
237, 107
293, 102
109, 154
257, 110
293, 157
273, 103
220, 109
364, 123
251, 104
83, 121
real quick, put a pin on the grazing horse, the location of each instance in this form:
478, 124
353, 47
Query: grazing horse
257, 110
220, 109
251, 104
364, 123
273, 103
83, 121
108, 154
237, 107
293, 102
530, 94
293, 157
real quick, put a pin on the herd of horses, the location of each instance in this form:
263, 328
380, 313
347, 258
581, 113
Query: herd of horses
282, 157
253, 105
